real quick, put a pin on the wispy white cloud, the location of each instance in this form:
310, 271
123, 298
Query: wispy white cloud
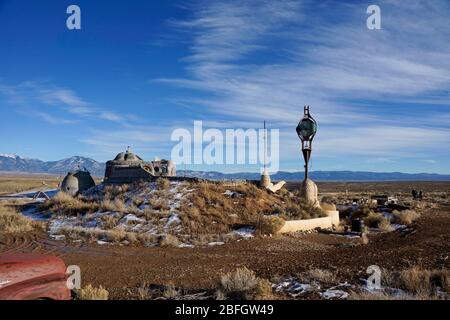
252, 65
50, 118
33, 94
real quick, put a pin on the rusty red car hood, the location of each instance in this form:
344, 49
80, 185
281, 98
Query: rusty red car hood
31, 276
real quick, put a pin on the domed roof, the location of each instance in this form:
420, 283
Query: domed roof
127, 156
120, 157
76, 182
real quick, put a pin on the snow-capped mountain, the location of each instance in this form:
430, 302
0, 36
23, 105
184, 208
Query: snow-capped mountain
11, 156
17, 164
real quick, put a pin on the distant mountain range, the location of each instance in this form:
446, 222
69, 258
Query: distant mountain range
322, 176
14, 163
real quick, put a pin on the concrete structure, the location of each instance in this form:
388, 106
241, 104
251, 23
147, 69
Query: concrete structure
265, 180
332, 220
76, 182
267, 184
127, 167
276, 187
309, 191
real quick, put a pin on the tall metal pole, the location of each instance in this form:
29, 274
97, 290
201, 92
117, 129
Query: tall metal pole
306, 168
265, 145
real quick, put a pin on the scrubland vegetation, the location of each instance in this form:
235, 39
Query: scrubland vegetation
92, 293
243, 284
12, 221
414, 283
174, 213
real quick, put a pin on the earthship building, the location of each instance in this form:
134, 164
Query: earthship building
127, 167
76, 182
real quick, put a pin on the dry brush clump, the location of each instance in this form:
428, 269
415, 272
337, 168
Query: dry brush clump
270, 225
169, 240
377, 220
321, 276
170, 291
243, 284
162, 184
92, 293
113, 236
12, 221
64, 204
405, 217
420, 281
416, 283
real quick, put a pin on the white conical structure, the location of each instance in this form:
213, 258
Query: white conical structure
265, 177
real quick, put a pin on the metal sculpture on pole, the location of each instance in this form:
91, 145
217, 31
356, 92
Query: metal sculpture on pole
306, 130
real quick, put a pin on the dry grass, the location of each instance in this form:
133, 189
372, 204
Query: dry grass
162, 184
170, 241
328, 206
377, 220
113, 236
64, 204
362, 212
214, 208
207, 211
143, 292
12, 221
363, 295
406, 217
170, 292
243, 284
322, 276
418, 281
270, 225
91, 293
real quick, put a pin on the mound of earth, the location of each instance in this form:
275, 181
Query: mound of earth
171, 213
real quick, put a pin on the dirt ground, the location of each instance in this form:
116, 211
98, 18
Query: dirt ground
123, 269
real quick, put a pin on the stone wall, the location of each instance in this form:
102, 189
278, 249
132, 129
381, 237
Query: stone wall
311, 224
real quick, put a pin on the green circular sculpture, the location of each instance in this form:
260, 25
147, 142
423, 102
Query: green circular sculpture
307, 129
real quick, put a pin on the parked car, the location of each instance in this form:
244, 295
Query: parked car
32, 277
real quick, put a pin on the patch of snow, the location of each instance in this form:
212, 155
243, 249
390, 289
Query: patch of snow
334, 294
228, 193
131, 218
399, 226
185, 245
10, 156
56, 225
347, 235
293, 288
442, 294
218, 243
35, 215
245, 232
100, 242
174, 218
387, 215
58, 237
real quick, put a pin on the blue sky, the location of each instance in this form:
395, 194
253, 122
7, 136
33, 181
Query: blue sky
139, 69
